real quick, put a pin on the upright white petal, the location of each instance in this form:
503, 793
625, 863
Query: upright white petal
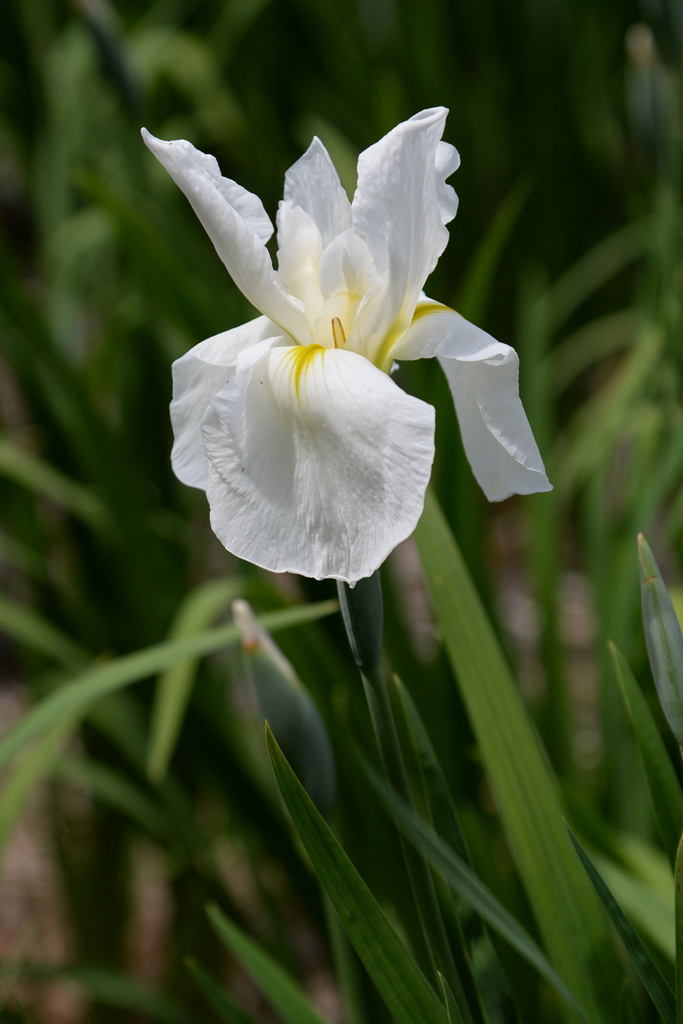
313, 184
237, 224
483, 377
298, 255
318, 463
402, 205
197, 377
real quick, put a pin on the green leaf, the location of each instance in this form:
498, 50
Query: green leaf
113, 789
174, 686
679, 933
452, 1012
654, 981
567, 912
222, 1004
285, 995
31, 630
48, 482
456, 873
663, 638
34, 765
651, 912
399, 980
665, 791
443, 812
112, 989
473, 293
76, 697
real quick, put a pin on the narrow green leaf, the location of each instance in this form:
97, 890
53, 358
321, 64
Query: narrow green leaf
665, 791
285, 995
113, 789
77, 696
476, 286
456, 873
399, 980
654, 981
346, 966
444, 815
214, 994
452, 1012
112, 989
663, 638
34, 765
567, 912
48, 482
679, 933
31, 630
650, 911
594, 269
174, 686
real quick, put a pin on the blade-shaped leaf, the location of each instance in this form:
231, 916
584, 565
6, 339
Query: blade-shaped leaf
567, 912
174, 686
456, 873
399, 980
31, 630
652, 978
76, 697
679, 933
214, 994
663, 638
452, 1012
667, 799
285, 995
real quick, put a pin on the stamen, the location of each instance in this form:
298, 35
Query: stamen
338, 336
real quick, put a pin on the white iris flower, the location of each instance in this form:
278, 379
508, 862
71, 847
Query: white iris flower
313, 460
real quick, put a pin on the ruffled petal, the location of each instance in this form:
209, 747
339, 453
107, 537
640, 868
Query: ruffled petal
197, 377
313, 184
483, 375
318, 463
238, 226
402, 205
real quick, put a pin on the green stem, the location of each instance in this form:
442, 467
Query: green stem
362, 613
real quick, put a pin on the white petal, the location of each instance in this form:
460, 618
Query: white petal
236, 223
318, 463
345, 266
299, 250
197, 377
313, 184
483, 377
402, 205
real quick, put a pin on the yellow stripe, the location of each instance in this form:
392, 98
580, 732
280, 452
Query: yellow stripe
300, 359
430, 307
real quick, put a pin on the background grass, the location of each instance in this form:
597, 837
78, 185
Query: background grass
567, 244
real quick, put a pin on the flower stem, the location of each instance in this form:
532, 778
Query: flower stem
363, 618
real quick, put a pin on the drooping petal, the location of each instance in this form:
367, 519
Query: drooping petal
483, 377
238, 226
313, 184
198, 376
318, 463
401, 207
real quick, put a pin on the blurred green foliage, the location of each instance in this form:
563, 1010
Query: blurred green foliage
567, 245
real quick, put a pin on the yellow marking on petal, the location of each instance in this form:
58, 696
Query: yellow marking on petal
338, 335
300, 359
383, 358
426, 308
